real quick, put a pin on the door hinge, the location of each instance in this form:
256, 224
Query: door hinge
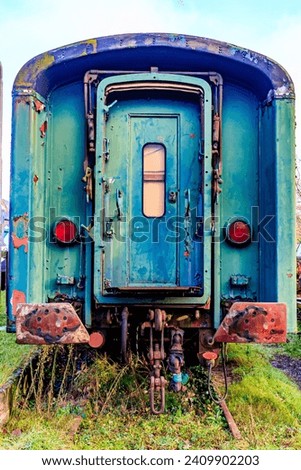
105, 149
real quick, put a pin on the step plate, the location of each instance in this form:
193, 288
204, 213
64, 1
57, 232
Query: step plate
253, 322
49, 323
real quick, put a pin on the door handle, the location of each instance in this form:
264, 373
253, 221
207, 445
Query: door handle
187, 202
187, 224
119, 199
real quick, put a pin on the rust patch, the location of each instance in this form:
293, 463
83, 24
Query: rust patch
49, 323
43, 129
207, 304
250, 322
35, 179
20, 232
18, 242
18, 297
39, 106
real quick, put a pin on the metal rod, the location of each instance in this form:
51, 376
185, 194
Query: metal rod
212, 74
231, 423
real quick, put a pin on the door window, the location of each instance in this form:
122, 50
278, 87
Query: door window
153, 180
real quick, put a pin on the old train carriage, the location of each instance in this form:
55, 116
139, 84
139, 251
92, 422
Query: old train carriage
152, 198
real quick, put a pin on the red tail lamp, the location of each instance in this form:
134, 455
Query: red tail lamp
65, 231
238, 232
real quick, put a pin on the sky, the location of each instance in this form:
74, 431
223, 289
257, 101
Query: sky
30, 27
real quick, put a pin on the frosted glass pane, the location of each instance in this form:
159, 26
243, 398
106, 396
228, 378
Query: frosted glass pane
153, 180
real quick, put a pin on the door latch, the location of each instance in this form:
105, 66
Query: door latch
109, 231
172, 196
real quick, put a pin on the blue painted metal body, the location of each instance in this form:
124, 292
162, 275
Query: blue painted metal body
154, 252
49, 135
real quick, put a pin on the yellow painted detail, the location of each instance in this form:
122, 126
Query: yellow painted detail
30, 71
92, 42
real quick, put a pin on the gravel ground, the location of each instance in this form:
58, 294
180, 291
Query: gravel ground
290, 366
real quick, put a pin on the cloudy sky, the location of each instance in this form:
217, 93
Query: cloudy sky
29, 27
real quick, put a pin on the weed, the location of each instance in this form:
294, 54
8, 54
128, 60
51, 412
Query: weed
292, 347
2, 308
76, 398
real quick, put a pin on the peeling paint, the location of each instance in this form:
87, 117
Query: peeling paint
282, 91
207, 304
38, 105
91, 47
18, 297
18, 242
246, 54
20, 232
149, 41
32, 69
31, 75
43, 129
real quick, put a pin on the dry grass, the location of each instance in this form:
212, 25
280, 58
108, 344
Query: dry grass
78, 399
12, 355
106, 406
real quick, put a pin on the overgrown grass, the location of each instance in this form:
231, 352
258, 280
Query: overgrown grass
12, 355
2, 308
107, 407
292, 347
75, 403
263, 400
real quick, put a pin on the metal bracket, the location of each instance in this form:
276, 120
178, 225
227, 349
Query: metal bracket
253, 322
49, 323
61, 279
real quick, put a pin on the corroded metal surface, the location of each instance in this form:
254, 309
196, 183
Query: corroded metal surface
18, 297
257, 322
49, 323
20, 232
232, 425
31, 73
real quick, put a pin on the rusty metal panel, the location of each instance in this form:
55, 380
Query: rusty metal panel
49, 323
253, 322
18, 297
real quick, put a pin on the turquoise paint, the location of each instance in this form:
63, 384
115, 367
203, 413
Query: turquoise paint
258, 158
268, 203
240, 185
127, 263
36, 186
65, 196
286, 203
148, 251
19, 202
277, 170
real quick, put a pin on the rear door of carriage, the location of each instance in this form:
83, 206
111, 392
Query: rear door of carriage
152, 187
